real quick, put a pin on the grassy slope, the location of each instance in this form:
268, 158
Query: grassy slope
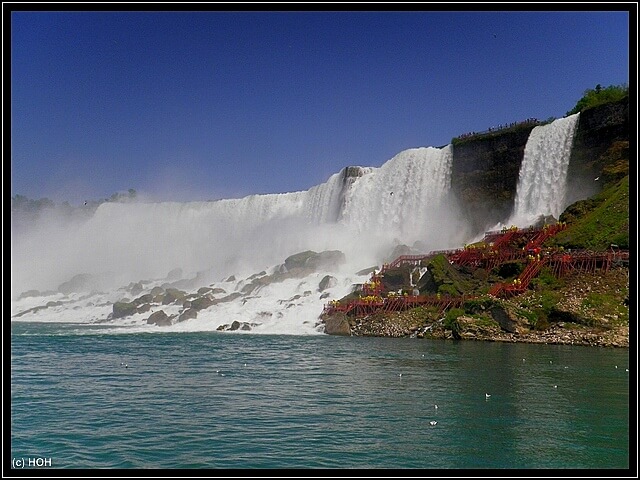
598, 222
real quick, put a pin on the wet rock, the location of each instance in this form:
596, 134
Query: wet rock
188, 314
337, 325
327, 282
503, 317
124, 309
159, 318
202, 302
144, 308
147, 298
172, 295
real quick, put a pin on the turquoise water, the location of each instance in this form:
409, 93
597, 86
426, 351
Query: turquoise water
228, 401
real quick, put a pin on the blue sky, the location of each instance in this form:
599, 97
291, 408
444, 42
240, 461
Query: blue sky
208, 105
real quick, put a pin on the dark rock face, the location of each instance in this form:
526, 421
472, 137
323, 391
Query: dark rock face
504, 319
201, 303
395, 278
236, 325
187, 314
486, 168
298, 260
337, 325
327, 282
484, 175
159, 318
172, 295
147, 298
144, 308
310, 260
123, 309
598, 128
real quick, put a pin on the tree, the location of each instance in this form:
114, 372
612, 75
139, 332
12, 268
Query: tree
599, 96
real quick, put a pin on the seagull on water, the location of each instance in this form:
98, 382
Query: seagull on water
486, 395
436, 406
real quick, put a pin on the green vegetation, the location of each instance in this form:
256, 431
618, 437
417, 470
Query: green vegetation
599, 96
546, 280
451, 317
448, 280
598, 222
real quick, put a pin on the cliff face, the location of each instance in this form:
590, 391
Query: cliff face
598, 129
485, 168
485, 173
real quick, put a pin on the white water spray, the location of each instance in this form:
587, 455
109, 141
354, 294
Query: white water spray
362, 211
543, 174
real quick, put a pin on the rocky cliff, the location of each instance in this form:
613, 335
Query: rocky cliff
486, 167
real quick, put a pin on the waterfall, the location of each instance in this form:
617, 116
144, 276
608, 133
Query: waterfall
404, 197
542, 182
361, 211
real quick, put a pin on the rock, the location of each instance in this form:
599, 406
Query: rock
256, 275
367, 271
201, 303
337, 325
124, 309
230, 297
187, 314
327, 282
144, 308
398, 251
159, 318
147, 298
327, 260
155, 291
468, 328
35, 293
172, 295
135, 288
309, 259
204, 290
298, 260
502, 316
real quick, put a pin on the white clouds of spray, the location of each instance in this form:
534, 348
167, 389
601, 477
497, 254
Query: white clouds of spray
406, 200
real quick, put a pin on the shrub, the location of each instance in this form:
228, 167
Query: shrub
599, 96
451, 317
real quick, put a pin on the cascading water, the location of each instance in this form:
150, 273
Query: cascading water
542, 182
403, 196
361, 211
